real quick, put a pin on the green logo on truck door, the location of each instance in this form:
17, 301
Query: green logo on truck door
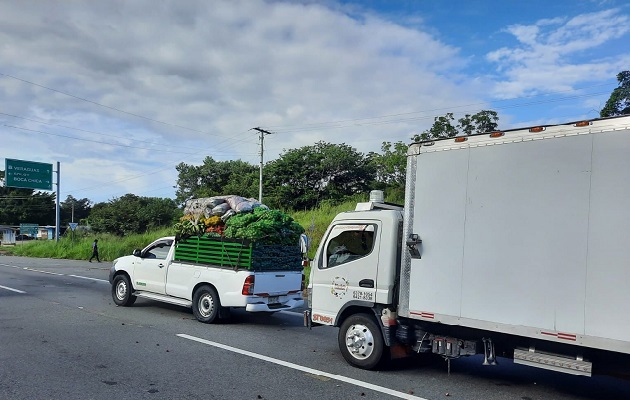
140, 283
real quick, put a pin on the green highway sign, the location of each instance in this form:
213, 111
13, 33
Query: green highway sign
28, 174
29, 229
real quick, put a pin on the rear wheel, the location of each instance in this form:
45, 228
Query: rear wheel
121, 291
206, 304
361, 341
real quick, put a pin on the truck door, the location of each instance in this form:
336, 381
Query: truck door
346, 269
151, 266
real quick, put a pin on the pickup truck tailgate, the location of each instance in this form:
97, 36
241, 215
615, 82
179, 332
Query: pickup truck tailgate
276, 283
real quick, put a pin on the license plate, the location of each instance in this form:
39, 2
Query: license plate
273, 299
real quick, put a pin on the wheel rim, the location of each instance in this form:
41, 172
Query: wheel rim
121, 290
206, 305
359, 341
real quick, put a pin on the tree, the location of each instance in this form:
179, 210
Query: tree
481, 122
215, 178
302, 177
442, 128
619, 101
71, 207
25, 205
133, 214
390, 169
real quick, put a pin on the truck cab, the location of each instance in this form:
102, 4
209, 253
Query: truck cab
356, 263
149, 265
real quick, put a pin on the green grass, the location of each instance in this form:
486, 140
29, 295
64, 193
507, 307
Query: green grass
80, 248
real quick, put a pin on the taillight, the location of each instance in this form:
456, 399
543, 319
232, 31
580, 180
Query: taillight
248, 286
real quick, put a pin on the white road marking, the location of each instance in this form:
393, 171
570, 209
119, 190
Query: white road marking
11, 289
87, 277
53, 273
43, 272
308, 370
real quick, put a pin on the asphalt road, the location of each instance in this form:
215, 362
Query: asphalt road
62, 337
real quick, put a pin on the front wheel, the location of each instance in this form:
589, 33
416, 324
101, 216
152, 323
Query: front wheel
121, 291
206, 304
361, 341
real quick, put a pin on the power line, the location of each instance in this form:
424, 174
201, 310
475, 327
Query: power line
114, 108
354, 122
93, 141
340, 124
86, 131
99, 104
137, 176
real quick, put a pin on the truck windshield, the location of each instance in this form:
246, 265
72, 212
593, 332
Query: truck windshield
349, 242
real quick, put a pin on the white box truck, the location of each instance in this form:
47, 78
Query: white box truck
211, 276
513, 243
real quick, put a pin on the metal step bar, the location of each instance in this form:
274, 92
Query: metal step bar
553, 362
164, 298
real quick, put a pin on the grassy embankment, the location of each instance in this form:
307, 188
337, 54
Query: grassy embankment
314, 222
80, 248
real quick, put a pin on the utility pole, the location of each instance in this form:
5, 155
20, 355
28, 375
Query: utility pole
262, 149
57, 208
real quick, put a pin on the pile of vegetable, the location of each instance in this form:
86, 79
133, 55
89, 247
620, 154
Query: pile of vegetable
212, 226
234, 217
264, 226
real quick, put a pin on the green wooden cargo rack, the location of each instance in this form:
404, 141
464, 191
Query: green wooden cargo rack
237, 254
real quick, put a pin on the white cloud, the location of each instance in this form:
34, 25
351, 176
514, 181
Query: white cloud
550, 55
307, 70
218, 68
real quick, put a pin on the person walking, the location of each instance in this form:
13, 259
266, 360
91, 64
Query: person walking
95, 251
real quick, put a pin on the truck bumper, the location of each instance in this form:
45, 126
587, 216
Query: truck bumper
289, 305
112, 271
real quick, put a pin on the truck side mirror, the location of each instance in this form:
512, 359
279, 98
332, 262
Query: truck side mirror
136, 253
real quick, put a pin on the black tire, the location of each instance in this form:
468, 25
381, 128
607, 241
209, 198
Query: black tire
121, 291
206, 304
361, 341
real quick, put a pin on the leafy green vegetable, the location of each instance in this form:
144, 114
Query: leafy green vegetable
264, 226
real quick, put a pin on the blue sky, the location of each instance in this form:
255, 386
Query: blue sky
121, 92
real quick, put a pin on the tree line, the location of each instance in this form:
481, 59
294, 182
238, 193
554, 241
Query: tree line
299, 179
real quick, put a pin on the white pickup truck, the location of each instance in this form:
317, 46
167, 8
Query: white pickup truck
209, 275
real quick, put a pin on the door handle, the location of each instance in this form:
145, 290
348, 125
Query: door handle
366, 283
161, 265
